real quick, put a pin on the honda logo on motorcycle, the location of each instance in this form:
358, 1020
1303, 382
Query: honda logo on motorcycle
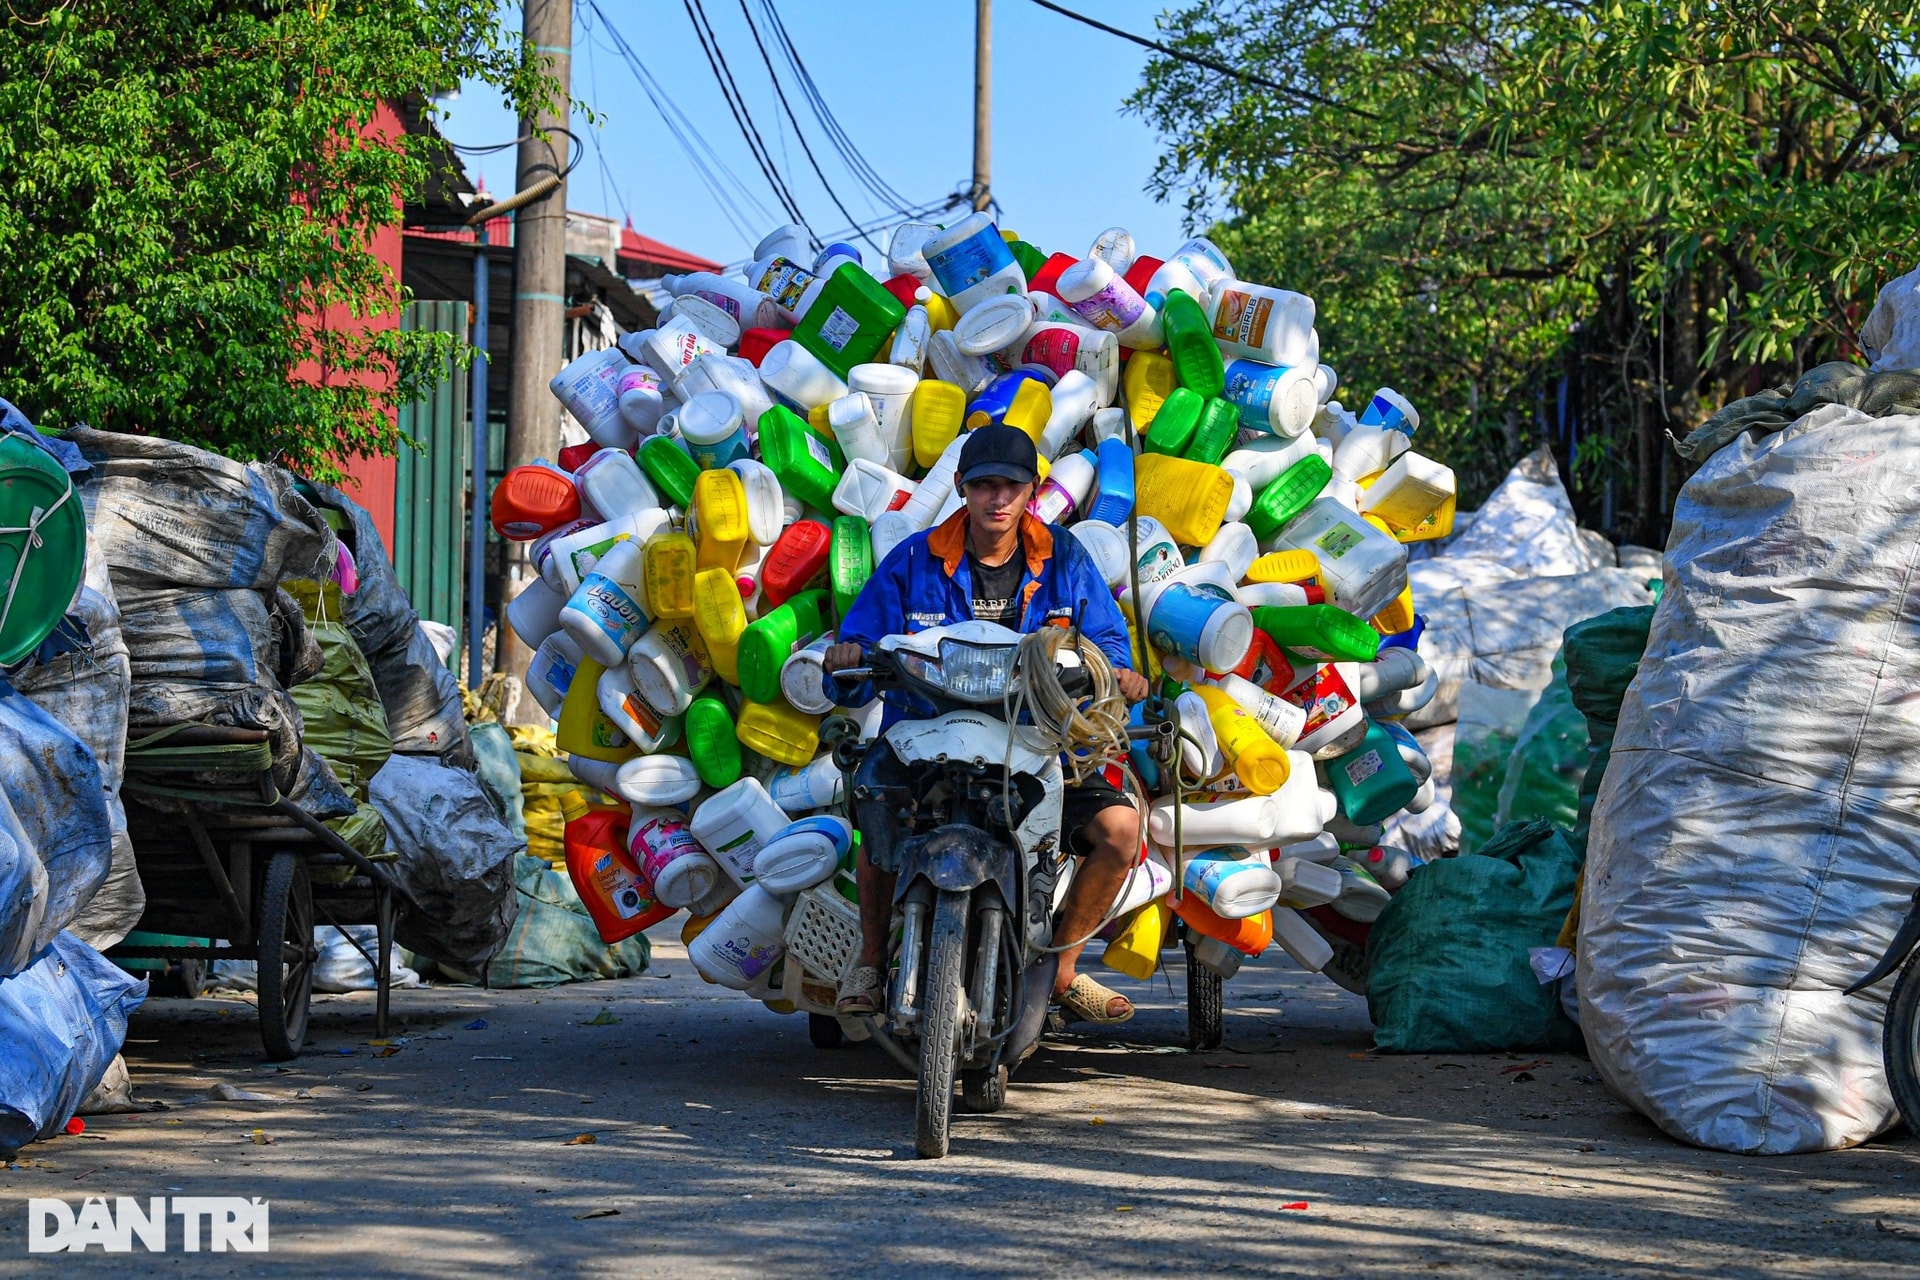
216, 1223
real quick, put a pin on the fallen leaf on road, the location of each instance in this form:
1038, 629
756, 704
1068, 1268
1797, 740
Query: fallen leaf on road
596, 1213
1123, 1208
1096, 1120
604, 1018
388, 1052
260, 1138
581, 1140
1523, 1067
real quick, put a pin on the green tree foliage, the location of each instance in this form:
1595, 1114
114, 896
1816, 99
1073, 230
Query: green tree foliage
182, 181
1668, 201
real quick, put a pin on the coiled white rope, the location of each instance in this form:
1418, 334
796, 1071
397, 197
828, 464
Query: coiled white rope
1091, 738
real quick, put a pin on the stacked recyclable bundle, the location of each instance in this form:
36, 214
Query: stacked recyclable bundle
755, 456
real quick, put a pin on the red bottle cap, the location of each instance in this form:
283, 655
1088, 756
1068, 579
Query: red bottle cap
903, 287
575, 456
1047, 278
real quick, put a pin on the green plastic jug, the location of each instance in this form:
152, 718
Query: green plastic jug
767, 643
1197, 361
850, 320
671, 468
850, 563
1287, 495
1174, 426
711, 743
807, 464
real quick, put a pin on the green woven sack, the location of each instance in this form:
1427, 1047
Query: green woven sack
1549, 759
1448, 969
1602, 656
554, 940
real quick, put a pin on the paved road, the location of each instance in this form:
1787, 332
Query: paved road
728, 1146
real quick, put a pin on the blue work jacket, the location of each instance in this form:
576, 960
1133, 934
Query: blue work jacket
927, 581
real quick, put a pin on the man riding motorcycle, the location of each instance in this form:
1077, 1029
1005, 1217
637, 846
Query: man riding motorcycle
994, 561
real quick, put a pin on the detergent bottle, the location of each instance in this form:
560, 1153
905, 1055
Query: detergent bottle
849, 321
869, 488
1066, 346
1275, 398
669, 561
1261, 459
1175, 424
857, 429
1249, 936
796, 561
551, 672
743, 942
1148, 380
671, 469
952, 365
711, 743
589, 387
534, 614
1073, 399
612, 483
766, 644
735, 823
972, 263
669, 858
801, 675
1260, 762
568, 559
720, 522
1065, 488
1410, 492
532, 500
806, 463
732, 376
646, 724
658, 780
1196, 356
1233, 546
909, 349
670, 665
766, 502
611, 888
939, 409
1258, 322
584, 729
747, 305
994, 324
642, 399
1319, 631
799, 377
936, 487
1281, 720
721, 618
1113, 501
713, 428
1300, 940
1282, 501
1104, 299
1135, 949
1233, 881
607, 612
1370, 780
1284, 566
1362, 568
778, 732
850, 562
1196, 267
1214, 434
814, 785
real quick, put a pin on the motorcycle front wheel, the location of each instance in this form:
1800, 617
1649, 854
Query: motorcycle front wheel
1901, 1044
940, 1024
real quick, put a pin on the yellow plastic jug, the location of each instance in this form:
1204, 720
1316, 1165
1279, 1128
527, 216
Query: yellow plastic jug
1189, 498
584, 729
778, 732
817, 419
1260, 761
1398, 616
1032, 407
941, 313
720, 519
1296, 565
670, 561
1135, 950
1148, 381
721, 617
939, 409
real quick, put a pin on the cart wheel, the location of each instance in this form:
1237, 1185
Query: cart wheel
286, 956
824, 1030
1204, 998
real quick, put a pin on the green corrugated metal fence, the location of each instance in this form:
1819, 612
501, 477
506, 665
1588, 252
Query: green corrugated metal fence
430, 487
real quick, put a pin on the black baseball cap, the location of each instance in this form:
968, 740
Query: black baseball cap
997, 450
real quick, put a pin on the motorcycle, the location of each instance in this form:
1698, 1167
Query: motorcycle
1900, 1040
965, 809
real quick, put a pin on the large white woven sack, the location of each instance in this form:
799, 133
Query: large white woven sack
1758, 834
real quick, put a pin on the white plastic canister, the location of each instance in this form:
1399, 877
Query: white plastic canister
734, 824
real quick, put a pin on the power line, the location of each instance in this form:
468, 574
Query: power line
730, 91
856, 162
797, 132
691, 142
1221, 68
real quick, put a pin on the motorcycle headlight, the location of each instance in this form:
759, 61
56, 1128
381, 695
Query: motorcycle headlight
966, 672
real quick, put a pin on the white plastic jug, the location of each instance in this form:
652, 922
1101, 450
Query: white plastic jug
1299, 939
710, 321
1362, 898
1145, 881
737, 377
1247, 820
589, 387
1065, 489
569, 558
1324, 847
1306, 883
857, 429
752, 308
951, 364
791, 286
713, 428
799, 788
1363, 568
1195, 268
972, 263
1108, 547
800, 679
906, 251
550, 673
743, 942
1235, 881
680, 871
1258, 322
993, 325
889, 530
601, 775
670, 665
797, 376
802, 855
658, 780
1202, 757
1273, 594
766, 501
642, 399
1390, 867
1104, 298
935, 487
1115, 247
1262, 459
735, 823
1074, 397
890, 390
1276, 398
909, 349
1235, 547
669, 349
648, 726
607, 612
1302, 807
534, 614
613, 484
867, 489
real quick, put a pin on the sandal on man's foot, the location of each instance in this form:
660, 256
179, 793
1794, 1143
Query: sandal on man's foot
1088, 1001
859, 995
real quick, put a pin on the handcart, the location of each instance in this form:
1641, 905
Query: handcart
224, 856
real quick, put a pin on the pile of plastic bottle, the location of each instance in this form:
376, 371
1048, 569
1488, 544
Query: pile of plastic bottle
756, 455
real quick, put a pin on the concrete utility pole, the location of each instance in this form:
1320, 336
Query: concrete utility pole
982, 102
539, 302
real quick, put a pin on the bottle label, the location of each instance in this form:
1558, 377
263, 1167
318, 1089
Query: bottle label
617, 884
658, 842
1365, 766
639, 380
1114, 307
642, 713
1251, 385
1052, 502
1057, 349
680, 643
596, 395
560, 674
607, 603
961, 266
784, 282
738, 853
1325, 698
817, 448
1242, 317
837, 330
719, 300
1339, 540
751, 958
1208, 876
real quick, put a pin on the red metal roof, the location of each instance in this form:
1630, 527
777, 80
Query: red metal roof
646, 252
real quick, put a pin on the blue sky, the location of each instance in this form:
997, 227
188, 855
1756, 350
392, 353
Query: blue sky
898, 75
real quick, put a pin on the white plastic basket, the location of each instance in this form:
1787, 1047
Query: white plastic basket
823, 933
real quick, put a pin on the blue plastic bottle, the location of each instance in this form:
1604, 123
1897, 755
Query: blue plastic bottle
1114, 465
